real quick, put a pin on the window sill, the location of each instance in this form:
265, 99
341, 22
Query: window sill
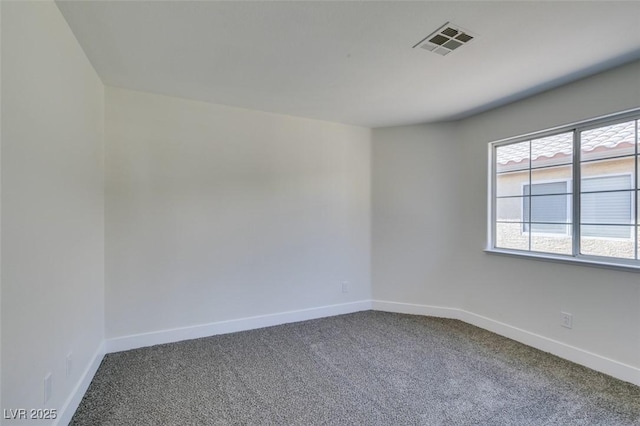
547, 257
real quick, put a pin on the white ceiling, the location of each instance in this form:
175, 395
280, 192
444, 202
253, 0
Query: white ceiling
352, 62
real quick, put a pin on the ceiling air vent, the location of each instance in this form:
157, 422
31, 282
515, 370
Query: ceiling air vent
445, 39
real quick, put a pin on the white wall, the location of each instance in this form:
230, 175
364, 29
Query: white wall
414, 181
52, 207
216, 213
408, 194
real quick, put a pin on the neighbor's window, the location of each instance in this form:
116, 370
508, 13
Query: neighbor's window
571, 192
548, 214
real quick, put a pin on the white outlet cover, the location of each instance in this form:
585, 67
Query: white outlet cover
566, 320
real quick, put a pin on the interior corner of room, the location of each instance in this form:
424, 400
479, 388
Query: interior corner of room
131, 218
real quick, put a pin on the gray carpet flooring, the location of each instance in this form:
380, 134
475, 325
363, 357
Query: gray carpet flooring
367, 368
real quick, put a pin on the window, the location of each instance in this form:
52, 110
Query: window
569, 193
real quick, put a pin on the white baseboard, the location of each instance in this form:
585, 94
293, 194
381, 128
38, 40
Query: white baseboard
230, 326
71, 404
413, 309
588, 359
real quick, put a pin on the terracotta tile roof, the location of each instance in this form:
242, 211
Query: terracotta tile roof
617, 136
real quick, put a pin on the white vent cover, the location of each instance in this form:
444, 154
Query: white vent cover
445, 39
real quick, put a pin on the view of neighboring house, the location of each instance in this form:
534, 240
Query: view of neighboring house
534, 183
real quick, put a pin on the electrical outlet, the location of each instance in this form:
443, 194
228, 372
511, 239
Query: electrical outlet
69, 363
345, 286
566, 320
47, 387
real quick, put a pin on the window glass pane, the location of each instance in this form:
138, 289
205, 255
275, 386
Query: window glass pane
560, 187
618, 242
547, 209
605, 231
558, 244
511, 183
559, 179
552, 150
606, 208
607, 183
608, 141
607, 175
511, 236
509, 209
553, 229
512, 157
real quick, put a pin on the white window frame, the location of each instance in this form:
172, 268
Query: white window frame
576, 257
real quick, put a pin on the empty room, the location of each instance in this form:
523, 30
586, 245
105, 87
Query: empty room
319, 212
